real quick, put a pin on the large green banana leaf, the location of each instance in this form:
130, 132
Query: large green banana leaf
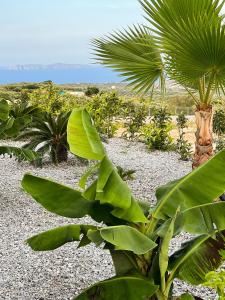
198, 257
57, 237
132, 288
65, 201
56, 198
122, 237
203, 219
111, 188
201, 186
83, 138
4, 110
127, 238
124, 262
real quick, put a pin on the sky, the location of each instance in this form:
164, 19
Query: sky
59, 31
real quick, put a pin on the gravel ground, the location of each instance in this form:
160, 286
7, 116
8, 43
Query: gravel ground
63, 273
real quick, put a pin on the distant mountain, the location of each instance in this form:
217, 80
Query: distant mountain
59, 73
57, 66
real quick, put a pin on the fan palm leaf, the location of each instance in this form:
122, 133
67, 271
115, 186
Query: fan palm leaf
134, 54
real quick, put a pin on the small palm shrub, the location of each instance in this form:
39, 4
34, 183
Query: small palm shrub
136, 234
183, 146
135, 117
156, 135
48, 135
104, 108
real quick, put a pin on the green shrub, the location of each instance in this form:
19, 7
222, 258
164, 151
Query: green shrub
156, 135
183, 146
50, 99
136, 235
104, 108
219, 128
219, 122
135, 117
91, 91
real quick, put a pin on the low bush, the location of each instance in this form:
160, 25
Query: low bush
50, 99
92, 91
136, 235
156, 135
104, 108
135, 117
183, 146
219, 128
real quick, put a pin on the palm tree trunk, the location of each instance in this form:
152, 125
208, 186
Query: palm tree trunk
61, 153
204, 139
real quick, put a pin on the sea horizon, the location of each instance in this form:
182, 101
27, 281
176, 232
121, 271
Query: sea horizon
58, 73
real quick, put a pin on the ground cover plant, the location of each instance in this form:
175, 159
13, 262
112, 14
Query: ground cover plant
136, 235
183, 41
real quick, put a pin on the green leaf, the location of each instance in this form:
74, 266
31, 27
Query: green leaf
197, 258
133, 214
187, 297
56, 198
65, 201
95, 236
164, 250
134, 54
203, 219
111, 188
124, 262
4, 110
55, 238
201, 186
20, 153
19, 124
83, 138
121, 288
87, 174
127, 238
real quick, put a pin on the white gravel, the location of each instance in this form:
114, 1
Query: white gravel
63, 273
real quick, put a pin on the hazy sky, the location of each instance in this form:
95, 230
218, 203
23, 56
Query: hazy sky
50, 31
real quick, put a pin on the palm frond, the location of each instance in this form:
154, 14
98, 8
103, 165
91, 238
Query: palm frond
134, 54
191, 33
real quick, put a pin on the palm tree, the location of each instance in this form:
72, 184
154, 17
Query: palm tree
184, 41
48, 135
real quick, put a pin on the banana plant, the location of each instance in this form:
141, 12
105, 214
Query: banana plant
136, 235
